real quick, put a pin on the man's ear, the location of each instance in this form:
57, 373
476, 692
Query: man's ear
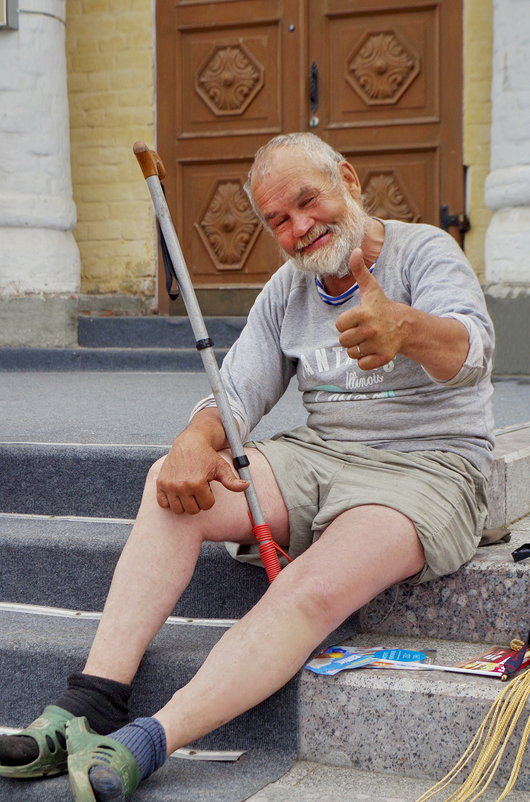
351, 179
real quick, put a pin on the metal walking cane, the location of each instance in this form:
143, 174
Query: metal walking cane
154, 172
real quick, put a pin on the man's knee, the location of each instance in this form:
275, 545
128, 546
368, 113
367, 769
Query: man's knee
154, 470
312, 595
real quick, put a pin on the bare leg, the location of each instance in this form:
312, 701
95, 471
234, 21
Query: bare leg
362, 552
153, 571
158, 561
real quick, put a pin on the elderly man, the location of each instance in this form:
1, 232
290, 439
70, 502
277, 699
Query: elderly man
385, 326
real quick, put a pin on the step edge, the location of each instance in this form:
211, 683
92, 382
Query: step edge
92, 615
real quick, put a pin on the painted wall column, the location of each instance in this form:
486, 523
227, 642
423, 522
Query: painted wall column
508, 187
39, 258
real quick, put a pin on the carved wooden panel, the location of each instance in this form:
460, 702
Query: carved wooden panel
381, 66
398, 186
227, 79
222, 236
228, 225
387, 196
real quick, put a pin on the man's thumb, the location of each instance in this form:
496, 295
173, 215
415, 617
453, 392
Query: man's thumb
229, 479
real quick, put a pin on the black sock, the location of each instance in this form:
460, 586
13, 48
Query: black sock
104, 702
17, 750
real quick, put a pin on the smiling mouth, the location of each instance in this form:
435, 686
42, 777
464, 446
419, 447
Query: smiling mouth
310, 239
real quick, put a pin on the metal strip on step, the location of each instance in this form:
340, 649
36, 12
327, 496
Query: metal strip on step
167, 446
83, 518
87, 615
217, 755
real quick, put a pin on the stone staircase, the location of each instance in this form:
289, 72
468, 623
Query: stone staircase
65, 512
123, 343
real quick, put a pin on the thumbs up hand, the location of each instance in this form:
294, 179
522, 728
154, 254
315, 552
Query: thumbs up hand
375, 331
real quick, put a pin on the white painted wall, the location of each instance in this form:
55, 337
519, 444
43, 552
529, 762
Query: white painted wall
38, 253
508, 184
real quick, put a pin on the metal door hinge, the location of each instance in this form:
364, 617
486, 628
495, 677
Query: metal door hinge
461, 221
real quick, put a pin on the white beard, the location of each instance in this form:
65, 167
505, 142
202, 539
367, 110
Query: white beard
333, 259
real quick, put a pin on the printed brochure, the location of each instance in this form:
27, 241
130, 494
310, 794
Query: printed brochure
339, 658
496, 662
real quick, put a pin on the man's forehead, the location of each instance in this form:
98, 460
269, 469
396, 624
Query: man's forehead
288, 178
289, 198
290, 162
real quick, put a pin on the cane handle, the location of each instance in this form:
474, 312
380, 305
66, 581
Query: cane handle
149, 161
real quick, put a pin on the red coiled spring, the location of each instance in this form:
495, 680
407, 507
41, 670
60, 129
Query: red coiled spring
268, 550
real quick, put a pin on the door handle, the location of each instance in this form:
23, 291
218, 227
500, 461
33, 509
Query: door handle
461, 221
313, 94
313, 87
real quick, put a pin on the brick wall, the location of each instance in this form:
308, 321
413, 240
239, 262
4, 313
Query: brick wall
110, 57
478, 18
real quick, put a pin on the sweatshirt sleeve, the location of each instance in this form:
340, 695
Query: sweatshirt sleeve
255, 371
442, 283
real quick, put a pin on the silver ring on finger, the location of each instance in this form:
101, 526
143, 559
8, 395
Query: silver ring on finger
359, 352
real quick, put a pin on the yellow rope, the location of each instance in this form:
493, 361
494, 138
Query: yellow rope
493, 736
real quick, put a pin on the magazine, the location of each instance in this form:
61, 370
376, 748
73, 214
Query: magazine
338, 658
496, 662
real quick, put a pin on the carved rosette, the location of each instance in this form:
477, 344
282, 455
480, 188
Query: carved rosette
385, 197
229, 80
229, 227
382, 67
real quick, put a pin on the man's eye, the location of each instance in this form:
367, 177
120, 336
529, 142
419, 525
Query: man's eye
307, 201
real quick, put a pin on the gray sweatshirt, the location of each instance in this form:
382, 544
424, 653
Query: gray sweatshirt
291, 329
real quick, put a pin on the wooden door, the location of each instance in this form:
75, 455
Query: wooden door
229, 81
380, 80
390, 100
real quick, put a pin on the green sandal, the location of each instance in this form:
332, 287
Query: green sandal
86, 749
49, 732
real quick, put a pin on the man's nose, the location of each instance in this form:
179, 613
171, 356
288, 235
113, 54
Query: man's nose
301, 223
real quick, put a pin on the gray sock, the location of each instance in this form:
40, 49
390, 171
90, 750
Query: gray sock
146, 740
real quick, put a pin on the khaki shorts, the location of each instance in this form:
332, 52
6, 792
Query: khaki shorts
440, 492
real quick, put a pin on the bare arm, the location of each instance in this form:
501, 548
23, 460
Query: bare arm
194, 462
382, 328
439, 344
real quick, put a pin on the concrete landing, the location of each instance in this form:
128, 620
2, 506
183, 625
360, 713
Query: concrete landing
315, 782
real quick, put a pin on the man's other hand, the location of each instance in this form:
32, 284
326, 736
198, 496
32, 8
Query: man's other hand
184, 481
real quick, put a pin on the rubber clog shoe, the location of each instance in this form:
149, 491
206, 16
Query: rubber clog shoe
86, 749
48, 730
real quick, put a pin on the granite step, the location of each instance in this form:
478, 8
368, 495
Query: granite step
486, 600
68, 562
411, 723
306, 781
509, 484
